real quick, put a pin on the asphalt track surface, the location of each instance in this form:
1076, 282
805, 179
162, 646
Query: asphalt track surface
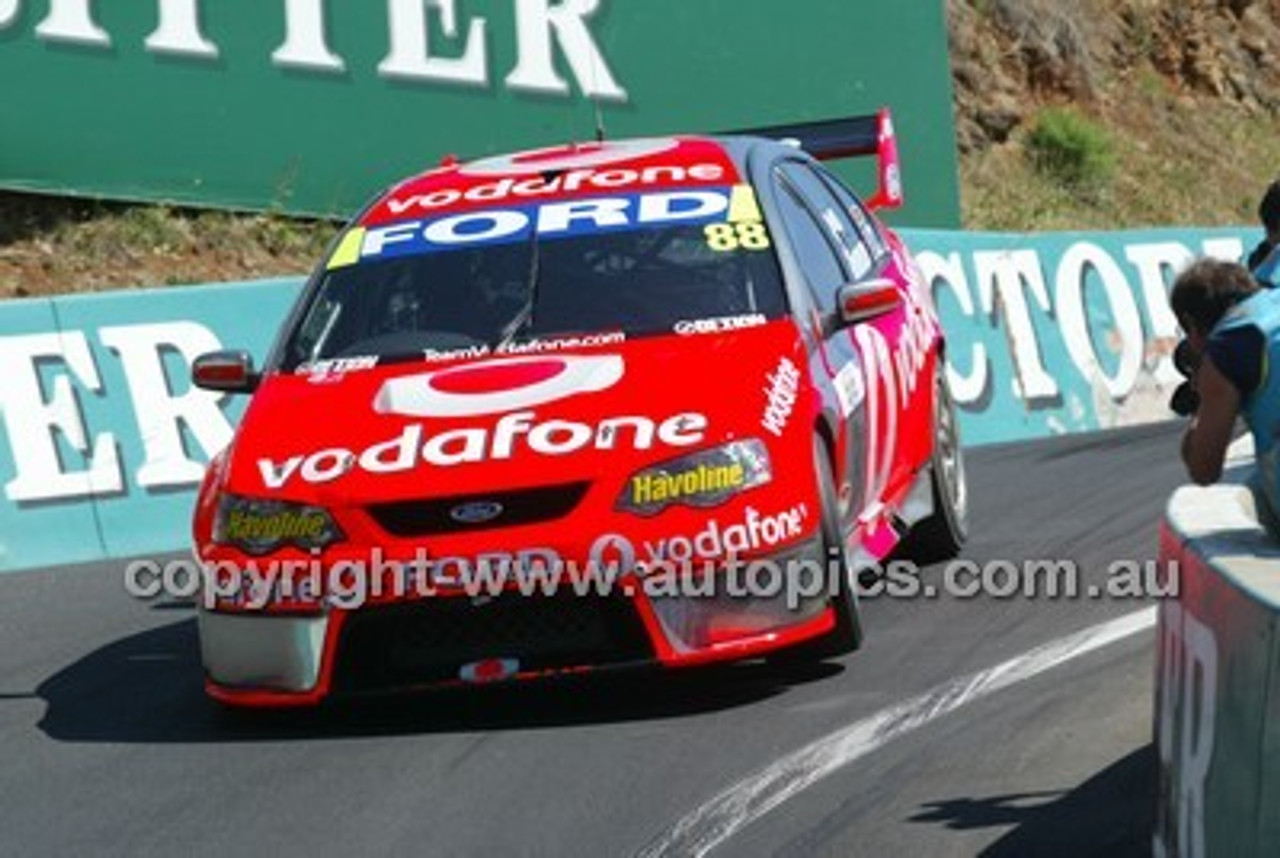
107, 744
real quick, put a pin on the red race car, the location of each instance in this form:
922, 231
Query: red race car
654, 401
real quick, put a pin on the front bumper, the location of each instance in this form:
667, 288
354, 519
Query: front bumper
270, 652
268, 659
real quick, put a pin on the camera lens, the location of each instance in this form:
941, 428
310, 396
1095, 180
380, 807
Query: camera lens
1185, 359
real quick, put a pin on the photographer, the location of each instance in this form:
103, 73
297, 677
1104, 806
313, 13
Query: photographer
1264, 261
1232, 359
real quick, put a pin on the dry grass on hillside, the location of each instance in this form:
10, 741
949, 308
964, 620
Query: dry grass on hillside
50, 245
1184, 95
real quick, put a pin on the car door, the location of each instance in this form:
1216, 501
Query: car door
859, 359
912, 337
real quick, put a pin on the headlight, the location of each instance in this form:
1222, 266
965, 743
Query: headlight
262, 526
703, 479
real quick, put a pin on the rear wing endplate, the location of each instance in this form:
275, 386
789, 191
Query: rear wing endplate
855, 137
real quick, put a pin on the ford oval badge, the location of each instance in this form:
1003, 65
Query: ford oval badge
476, 512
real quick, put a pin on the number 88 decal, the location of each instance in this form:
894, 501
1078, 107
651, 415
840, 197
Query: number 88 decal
748, 235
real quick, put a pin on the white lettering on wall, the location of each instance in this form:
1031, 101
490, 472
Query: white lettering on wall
72, 21
948, 272
1228, 249
1001, 278
8, 12
1090, 313
34, 424
1188, 687
160, 415
1073, 317
1157, 265
429, 40
179, 31
539, 25
305, 45
410, 55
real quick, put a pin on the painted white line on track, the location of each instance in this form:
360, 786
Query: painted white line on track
753, 797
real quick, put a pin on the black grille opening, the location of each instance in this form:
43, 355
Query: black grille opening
467, 513
429, 641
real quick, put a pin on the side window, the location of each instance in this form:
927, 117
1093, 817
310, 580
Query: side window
817, 257
858, 257
857, 212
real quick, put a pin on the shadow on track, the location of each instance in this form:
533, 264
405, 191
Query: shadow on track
1111, 814
147, 688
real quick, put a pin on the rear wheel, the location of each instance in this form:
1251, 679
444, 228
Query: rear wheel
847, 634
942, 534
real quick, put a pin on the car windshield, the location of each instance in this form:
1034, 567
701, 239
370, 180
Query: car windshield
479, 299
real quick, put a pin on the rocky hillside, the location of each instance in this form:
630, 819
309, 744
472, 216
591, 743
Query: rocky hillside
1178, 99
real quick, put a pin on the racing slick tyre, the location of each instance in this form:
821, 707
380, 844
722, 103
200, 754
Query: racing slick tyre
942, 534
847, 634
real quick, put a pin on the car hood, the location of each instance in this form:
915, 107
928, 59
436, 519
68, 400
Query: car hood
544, 417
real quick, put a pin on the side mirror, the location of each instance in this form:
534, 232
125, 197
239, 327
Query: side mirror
870, 299
225, 371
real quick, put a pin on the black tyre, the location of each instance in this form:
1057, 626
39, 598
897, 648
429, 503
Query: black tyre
847, 634
943, 534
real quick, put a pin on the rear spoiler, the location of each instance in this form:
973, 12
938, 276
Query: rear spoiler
855, 137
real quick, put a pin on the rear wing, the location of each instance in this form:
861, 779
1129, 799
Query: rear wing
855, 137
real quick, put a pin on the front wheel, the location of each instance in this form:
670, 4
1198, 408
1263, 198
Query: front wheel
943, 534
847, 634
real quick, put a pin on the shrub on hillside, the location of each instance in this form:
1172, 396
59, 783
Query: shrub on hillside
1071, 150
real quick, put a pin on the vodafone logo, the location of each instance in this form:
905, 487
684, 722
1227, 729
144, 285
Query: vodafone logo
497, 386
562, 158
512, 435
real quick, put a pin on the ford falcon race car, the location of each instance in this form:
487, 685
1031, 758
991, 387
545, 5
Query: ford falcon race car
643, 402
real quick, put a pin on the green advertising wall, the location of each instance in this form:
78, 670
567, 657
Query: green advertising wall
310, 106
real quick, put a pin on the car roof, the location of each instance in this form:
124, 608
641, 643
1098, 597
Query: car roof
627, 166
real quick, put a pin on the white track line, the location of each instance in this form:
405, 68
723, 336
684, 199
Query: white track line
749, 799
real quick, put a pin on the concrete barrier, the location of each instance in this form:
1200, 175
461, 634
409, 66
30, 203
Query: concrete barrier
1217, 713
102, 438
